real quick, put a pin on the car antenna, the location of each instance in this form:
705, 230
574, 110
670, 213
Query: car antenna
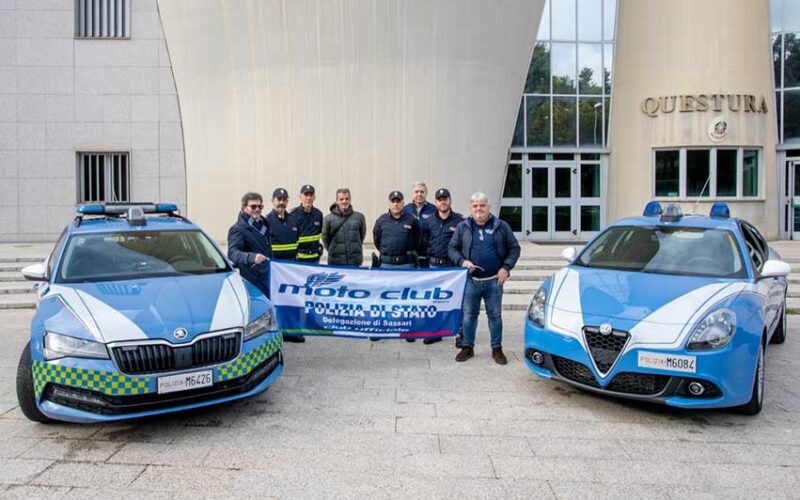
697, 201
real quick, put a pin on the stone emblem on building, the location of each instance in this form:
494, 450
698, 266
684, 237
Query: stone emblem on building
718, 129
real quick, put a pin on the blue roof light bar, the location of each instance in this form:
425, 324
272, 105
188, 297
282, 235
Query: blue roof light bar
653, 209
720, 210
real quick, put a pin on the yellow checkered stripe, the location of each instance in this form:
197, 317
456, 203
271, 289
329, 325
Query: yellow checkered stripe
109, 383
309, 239
284, 247
247, 362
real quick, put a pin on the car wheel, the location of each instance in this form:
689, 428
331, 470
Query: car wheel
757, 396
25, 392
779, 337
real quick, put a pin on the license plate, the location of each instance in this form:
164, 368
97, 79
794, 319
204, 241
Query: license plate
671, 362
185, 381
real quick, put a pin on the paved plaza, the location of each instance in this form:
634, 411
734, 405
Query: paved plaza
356, 419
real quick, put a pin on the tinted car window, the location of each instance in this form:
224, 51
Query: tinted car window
666, 250
132, 255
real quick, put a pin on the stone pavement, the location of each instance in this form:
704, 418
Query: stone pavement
356, 419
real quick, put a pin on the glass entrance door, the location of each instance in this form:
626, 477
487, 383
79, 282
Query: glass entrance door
563, 200
792, 204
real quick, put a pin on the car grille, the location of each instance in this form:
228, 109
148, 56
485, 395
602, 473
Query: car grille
154, 358
625, 382
572, 370
638, 383
605, 349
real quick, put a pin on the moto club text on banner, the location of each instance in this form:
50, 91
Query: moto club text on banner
359, 302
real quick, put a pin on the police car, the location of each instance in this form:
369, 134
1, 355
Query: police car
139, 314
666, 308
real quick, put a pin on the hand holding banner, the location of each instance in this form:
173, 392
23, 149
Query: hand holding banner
366, 303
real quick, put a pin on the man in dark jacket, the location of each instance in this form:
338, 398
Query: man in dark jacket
487, 247
309, 223
283, 237
420, 208
249, 243
343, 232
437, 231
397, 237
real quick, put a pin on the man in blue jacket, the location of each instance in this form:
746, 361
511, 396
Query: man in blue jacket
309, 223
420, 208
487, 247
437, 231
249, 243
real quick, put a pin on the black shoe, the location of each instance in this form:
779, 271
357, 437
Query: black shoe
410, 340
432, 340
374, 339
296, 339
459, 340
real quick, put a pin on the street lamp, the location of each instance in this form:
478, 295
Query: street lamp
596, 105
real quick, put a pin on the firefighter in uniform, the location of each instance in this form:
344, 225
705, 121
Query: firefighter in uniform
437, 231
309, 225
283, 232
397, 237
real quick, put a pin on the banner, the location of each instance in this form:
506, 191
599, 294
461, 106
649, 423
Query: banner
360, 302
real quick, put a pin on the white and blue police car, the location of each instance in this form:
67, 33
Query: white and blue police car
665, 308
139, 313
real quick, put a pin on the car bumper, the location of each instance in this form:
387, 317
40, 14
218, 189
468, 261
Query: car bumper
726, 374
83, 390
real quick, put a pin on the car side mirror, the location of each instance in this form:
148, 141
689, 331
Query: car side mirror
775, 269
569, 254
35, 272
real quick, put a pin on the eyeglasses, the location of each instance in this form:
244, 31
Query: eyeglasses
255, 207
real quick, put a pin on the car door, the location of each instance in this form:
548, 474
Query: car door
772, 289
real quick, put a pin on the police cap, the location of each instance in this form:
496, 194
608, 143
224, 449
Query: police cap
442, 193
395, 195
280, 193
307, 189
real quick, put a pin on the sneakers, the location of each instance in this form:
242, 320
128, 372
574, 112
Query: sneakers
498, 356
465, 353
432, 340
297, 339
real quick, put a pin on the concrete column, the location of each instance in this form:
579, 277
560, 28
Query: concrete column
691, 48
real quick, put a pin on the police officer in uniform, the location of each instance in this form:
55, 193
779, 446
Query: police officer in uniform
420, 208
397, 237
309, 224
437, 231
283, 231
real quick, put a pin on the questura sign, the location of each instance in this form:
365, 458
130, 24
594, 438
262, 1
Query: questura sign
357, 302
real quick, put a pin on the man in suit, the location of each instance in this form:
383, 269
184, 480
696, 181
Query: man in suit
249, 242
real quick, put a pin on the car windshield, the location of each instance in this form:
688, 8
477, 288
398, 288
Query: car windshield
666, 250
138, 254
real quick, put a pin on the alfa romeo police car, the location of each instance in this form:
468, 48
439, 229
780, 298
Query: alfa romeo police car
140, 315
665, 308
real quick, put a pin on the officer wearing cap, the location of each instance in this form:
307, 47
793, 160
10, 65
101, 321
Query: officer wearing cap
420, 208
397, 237
309, 223
437, 231
283, 231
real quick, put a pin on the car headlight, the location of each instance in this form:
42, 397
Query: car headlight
262, 324
60, 346
714, 331
536, 309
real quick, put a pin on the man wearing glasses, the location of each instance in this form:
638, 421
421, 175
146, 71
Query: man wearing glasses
249, 243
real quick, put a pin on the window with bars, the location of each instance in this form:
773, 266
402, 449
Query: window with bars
103, 177
102, 18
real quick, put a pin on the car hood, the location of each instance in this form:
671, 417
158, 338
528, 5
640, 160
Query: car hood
152, 308
657, 306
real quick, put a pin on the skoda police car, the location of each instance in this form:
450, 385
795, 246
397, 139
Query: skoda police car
139, 313
666, 308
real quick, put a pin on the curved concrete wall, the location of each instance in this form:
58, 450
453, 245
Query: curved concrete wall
690, 47
370, 95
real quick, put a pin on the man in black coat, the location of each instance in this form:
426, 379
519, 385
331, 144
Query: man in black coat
249, 243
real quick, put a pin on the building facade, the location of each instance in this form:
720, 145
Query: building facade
88, 112
568, 113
